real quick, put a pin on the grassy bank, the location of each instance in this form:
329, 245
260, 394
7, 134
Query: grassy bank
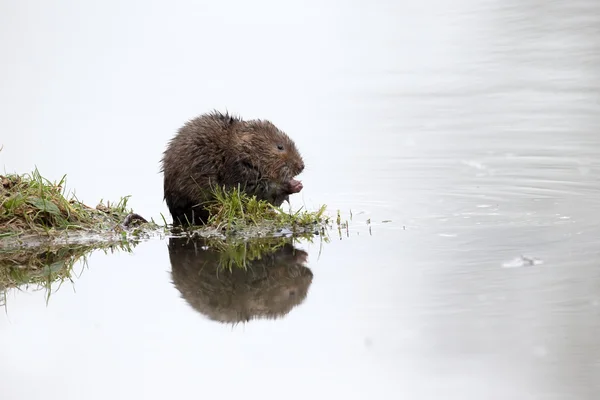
33, 205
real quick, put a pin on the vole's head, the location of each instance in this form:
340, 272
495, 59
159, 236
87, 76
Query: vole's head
271, 151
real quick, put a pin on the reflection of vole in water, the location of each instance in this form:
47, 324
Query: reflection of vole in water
219, 150
269, 287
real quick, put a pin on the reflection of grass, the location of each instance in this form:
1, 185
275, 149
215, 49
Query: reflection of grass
43, 267
237, 253
31, 204
236, 209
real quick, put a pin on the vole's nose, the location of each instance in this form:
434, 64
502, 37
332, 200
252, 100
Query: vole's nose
300, 167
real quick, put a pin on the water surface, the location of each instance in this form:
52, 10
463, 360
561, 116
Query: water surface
473, 126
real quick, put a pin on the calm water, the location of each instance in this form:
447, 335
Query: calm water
473, 126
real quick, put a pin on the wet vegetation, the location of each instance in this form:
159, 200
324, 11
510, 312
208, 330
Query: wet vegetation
233, 210
45, 232
32, 206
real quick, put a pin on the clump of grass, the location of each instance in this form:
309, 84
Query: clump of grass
234, 208
32, 204
44, 266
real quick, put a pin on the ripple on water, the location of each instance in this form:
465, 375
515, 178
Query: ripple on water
522, 261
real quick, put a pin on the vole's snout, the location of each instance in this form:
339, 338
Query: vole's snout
300, 167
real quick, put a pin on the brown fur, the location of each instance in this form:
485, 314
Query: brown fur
226, 151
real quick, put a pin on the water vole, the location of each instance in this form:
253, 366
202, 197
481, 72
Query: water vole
223, 150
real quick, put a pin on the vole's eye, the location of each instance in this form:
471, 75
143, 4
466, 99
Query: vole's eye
280, 147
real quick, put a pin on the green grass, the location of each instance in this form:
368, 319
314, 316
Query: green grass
234, 210
32, 204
